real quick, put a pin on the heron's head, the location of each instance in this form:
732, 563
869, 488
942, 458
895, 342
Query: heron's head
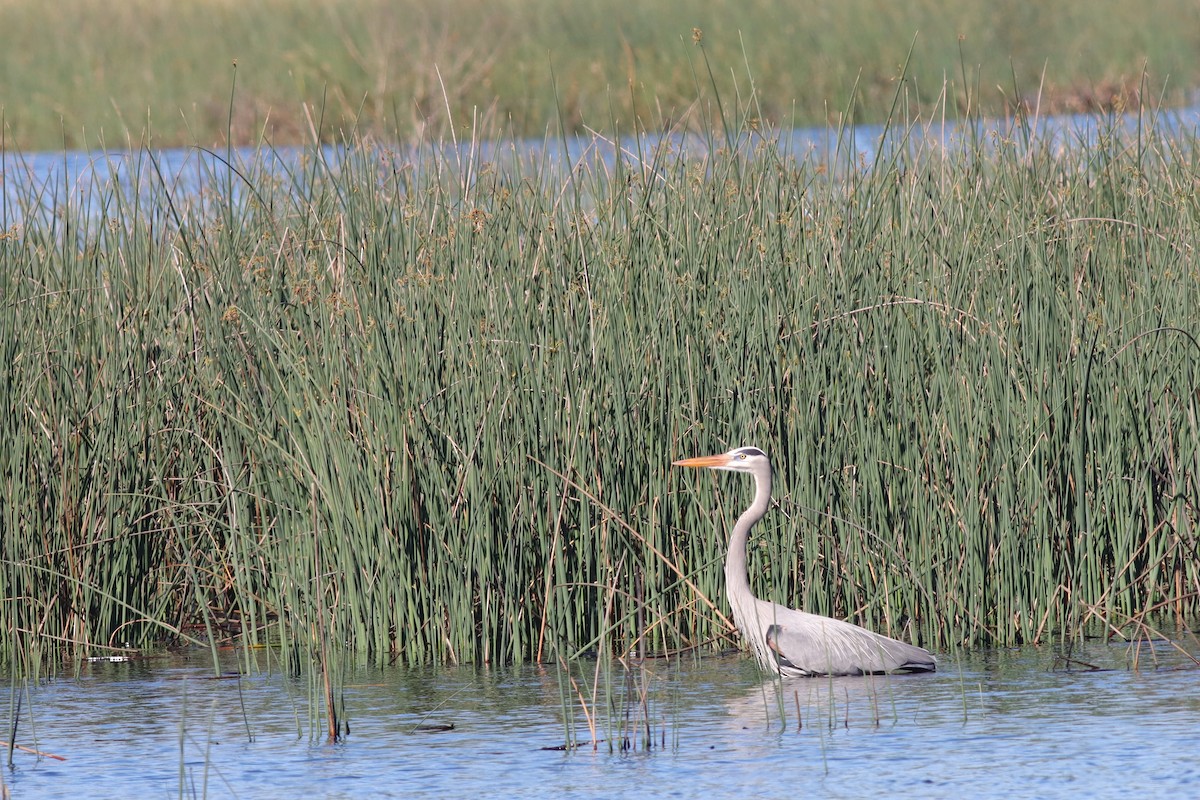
739, 459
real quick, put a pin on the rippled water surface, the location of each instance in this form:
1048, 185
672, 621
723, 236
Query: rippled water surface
1020, 723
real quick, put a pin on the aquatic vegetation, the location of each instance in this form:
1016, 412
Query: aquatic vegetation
422, 405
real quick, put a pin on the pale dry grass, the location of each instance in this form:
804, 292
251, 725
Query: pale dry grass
88, 72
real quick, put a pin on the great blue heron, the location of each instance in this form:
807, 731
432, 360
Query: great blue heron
785, 640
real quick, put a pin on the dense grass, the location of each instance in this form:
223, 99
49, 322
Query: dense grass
425, 405
89, 72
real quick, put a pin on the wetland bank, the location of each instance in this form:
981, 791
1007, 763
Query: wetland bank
414, 408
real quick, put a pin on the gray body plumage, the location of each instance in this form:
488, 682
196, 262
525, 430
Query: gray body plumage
785, 640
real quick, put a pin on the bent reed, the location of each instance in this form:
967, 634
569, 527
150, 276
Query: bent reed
424, 405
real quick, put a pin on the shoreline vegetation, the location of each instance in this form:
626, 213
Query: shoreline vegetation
426, 407
159, 74
417, 406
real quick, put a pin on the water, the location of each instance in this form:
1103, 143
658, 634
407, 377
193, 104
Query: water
33, 186
1013, 724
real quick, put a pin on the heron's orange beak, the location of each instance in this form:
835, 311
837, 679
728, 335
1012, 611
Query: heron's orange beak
703, 461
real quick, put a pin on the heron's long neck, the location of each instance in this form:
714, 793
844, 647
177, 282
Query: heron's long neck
737, 581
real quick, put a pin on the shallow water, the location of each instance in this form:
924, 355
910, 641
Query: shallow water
50, 179
1014, 723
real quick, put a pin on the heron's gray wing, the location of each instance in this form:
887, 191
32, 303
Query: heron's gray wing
809, 644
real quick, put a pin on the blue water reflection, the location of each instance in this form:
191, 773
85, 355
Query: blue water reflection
1012, 724
34, 185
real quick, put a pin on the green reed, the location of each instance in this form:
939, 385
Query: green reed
422, 405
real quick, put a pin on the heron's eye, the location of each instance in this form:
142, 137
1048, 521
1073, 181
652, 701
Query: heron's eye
742, 456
